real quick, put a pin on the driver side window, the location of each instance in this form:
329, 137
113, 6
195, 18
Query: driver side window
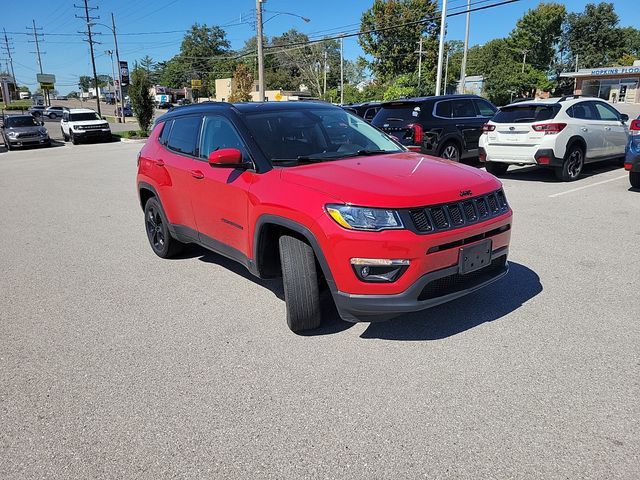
218, 133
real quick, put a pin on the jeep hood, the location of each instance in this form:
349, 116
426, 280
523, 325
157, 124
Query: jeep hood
398, 180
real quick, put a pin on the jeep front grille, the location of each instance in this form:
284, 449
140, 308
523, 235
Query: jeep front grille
439, 218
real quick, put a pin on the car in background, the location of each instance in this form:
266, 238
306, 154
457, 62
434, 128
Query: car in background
79, 124
366, 110
560, 133
23, 131
165, 105
448, 126
309, 192
184, 101
128, 112
54, 112
36, 110
632, 160
24, 95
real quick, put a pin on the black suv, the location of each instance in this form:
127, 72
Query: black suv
366, 110
448, 126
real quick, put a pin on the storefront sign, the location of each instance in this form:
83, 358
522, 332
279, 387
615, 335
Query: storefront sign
615, 71
124, 73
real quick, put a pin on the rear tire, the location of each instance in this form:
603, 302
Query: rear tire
496, 168
572, 165
634, 179
450, 151
157, 228
300, 280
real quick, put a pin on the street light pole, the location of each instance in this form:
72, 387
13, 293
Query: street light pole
443, 25
113, 80
260, 50
341, 70
420, 62
463, 67
115, 41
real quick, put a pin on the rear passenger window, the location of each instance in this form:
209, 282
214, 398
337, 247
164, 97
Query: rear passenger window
485, 109
463, 109
164, 134
443, 109
184, 135
584, 111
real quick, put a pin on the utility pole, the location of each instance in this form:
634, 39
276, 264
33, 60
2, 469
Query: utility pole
524, 58
341, 70
576, 62
420, 62
91, 42
324, 87
115, 41
8, 49
37, 52
463, 67
260, 50
443, 26
446, 72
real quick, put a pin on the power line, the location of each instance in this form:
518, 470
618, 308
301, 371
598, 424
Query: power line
91, 42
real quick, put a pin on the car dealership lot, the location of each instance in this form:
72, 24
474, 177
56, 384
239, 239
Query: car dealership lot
117, 364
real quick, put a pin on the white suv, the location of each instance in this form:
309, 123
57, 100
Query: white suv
563, 133
82, 123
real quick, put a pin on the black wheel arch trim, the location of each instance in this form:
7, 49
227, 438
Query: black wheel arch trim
300, 229
151, 188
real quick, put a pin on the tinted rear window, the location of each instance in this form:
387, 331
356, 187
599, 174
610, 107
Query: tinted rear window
184, 135
526, 113
397, 115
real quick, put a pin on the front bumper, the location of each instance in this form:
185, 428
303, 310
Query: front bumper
29, 141
632, 160
82, 134
431, 289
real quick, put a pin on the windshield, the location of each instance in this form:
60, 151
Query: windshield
526, 113
315, 134
79, 117
21, 122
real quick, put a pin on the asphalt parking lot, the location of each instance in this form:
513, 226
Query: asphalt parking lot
117, 364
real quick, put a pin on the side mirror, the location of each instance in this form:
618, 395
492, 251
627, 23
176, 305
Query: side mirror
624, 117
226, 157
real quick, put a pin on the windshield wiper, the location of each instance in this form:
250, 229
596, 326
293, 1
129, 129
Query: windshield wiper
301, 159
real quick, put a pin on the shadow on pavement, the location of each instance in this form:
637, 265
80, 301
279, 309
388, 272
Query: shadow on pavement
542, 174
486, 305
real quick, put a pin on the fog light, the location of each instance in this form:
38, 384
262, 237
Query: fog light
379, 269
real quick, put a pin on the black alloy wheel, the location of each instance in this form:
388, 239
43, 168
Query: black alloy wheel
572, 166
157, 227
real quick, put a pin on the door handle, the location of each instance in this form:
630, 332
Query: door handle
607, 128
584, 129
159, 163
197, 174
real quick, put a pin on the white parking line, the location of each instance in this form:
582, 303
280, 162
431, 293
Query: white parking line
587, 186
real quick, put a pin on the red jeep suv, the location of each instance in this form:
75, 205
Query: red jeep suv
311, 192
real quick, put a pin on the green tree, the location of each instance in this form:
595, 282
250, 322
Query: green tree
242, 84
594, 35
141, 99
394, 49
538, 33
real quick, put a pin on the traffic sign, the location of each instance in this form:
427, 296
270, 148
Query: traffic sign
46, 78
196, 83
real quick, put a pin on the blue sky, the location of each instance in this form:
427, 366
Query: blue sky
67, 55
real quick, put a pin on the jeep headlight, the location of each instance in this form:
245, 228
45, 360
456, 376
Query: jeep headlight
365, 218
12, 134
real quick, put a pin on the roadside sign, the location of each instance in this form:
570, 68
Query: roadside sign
196, 83
278, 96
46, 86
46, 78
124, 73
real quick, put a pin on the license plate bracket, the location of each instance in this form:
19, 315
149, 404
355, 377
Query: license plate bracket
475, 257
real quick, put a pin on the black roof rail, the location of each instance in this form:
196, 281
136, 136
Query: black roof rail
571, 97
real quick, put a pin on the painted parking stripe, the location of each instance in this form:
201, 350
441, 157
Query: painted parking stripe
587, 186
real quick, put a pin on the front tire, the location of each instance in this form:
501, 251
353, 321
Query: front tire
157, 227
450, 151
572, 165
634, 179
64, 136
53, 116
496, 168
300, 280
73, 138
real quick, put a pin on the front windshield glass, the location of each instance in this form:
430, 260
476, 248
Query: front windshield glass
315, 134
22, 122
79, 117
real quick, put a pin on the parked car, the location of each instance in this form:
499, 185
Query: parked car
447, 126
36, 110
184, 101
165, 105
54, 112
80, 124
128, 112
366, 110
24, 130
315, 194
561, 133
632, 160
